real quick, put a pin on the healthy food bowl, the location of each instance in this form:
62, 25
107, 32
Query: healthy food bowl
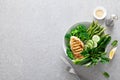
85, 44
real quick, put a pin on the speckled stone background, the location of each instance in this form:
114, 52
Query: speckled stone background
31, 37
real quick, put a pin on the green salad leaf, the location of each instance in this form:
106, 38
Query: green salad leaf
70, 54
81, 32
114, 43
106, 75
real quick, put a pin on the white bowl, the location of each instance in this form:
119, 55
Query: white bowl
104, 13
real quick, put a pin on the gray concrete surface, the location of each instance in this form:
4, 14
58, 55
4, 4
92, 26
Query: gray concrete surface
31, 36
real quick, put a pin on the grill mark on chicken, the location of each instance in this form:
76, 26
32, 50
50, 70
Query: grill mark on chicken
76, 46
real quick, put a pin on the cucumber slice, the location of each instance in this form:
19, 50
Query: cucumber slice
95, 38
95, 44
90, 45
90, 41
86, 46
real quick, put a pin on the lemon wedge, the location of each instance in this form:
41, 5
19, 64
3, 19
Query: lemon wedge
112, 53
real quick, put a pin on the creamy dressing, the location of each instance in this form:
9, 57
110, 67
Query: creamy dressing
99, 13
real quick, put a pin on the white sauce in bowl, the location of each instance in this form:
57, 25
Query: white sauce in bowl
99, 13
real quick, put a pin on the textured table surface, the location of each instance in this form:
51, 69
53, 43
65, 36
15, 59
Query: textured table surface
31, 36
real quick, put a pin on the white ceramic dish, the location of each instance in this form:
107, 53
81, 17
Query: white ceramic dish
101, 13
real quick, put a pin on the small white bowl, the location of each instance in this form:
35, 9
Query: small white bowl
99, 13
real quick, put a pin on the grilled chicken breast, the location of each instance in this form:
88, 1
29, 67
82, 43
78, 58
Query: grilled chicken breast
76, 46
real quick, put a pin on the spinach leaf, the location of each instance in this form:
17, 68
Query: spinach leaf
114, 43
70, 54
81, 32
67, 36
83, 36
106, 75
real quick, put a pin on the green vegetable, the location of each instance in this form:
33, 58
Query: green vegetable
70, 54
101, 31
95, 41
95, 60
104, 59
86, 46
90, 44
91, 25
85, 53
90, 41
98, 53
114, 43
106, 75
95, 29
97, 50
82, 61
88, 64
106, 42
95, 44
102, 39
80, 31
67, 36
95, 38
102, 44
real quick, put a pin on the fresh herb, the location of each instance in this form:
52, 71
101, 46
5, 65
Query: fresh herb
114, 43
106, 75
